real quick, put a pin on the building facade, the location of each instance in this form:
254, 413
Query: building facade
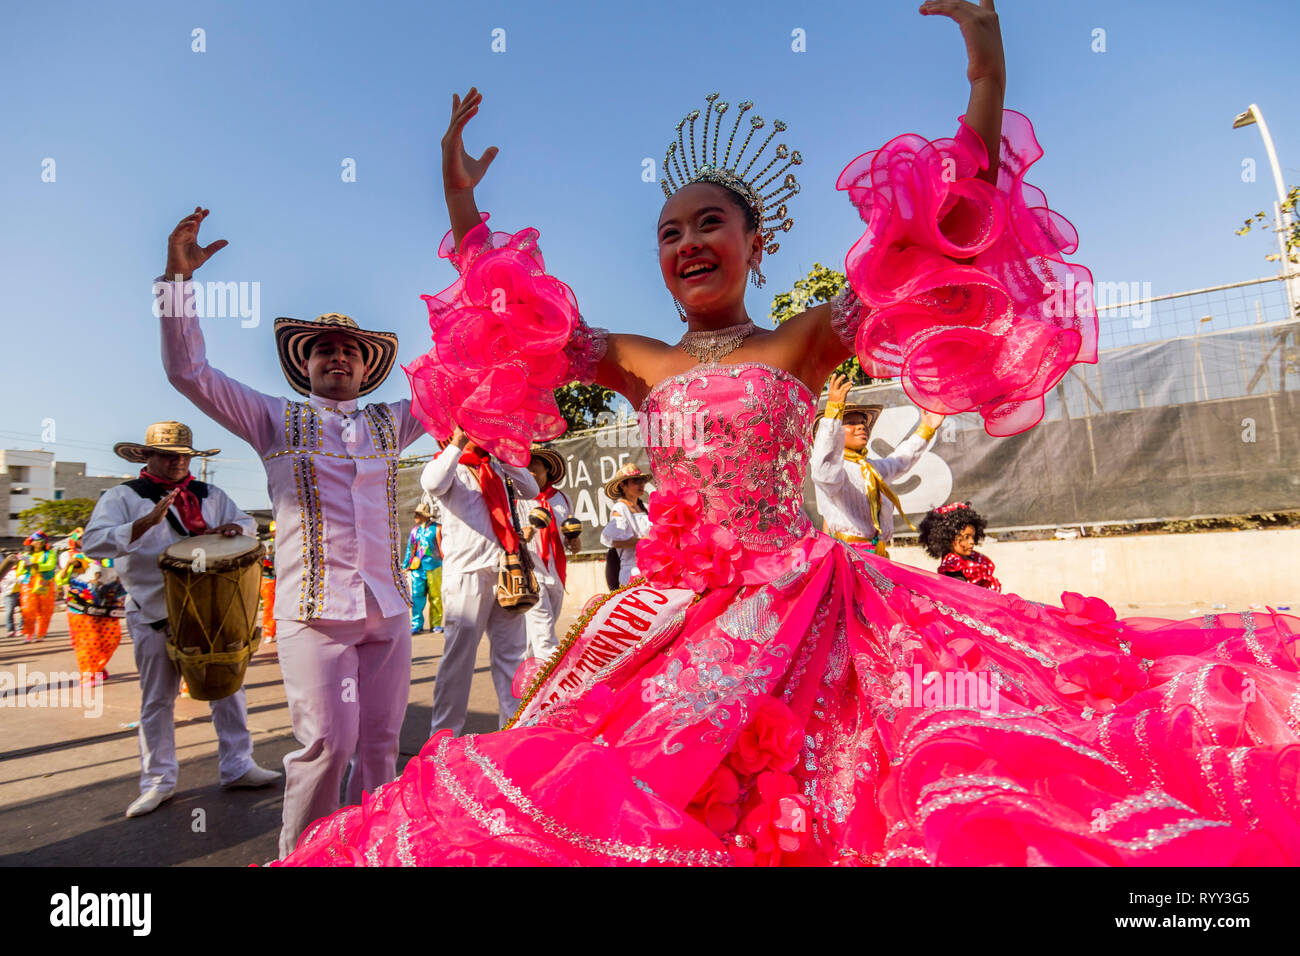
28, 476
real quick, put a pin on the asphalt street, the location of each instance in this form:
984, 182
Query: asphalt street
68, 773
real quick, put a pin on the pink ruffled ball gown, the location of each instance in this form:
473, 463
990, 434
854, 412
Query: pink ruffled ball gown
769, 695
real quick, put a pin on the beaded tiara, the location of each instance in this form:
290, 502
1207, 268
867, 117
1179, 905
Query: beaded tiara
705, 168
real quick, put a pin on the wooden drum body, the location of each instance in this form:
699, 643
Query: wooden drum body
211, 584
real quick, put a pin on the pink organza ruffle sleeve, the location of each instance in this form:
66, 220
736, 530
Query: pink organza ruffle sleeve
505, 335
991, 334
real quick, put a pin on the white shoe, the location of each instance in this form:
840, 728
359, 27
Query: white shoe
255, 777
148, 802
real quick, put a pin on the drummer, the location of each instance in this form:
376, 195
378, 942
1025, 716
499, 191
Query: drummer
133, 524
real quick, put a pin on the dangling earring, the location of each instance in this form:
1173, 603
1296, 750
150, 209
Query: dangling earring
680, 314
756, 277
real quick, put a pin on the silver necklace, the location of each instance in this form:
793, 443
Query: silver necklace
709, 345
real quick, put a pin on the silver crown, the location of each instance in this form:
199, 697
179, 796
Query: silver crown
705, 168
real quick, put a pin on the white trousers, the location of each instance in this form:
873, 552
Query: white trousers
159, 683
540, 620
626, 565
347, 684
469, 607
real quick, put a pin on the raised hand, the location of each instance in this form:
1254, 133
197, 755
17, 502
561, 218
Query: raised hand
159, 511
979, 27
839, 389
460, 170
140, 525
184, 254
931, 419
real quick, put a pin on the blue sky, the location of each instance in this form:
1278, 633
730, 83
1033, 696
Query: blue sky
1140, 155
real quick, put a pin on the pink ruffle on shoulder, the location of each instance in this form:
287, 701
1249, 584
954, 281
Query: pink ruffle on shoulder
992, 335
499, 337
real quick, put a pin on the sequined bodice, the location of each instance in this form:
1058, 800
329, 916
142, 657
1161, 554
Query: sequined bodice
738, 435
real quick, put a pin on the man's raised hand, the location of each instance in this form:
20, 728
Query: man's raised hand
184, 254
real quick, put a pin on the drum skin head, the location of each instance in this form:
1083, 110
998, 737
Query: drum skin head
218, 551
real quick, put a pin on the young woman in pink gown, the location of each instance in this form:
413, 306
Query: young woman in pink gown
770, 695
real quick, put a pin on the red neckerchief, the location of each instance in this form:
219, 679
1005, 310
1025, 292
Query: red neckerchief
977, 569
187, 503
494, 493
552, 543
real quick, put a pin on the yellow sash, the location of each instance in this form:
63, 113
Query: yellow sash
875, 486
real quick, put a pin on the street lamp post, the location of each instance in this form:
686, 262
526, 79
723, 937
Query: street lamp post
1281, 217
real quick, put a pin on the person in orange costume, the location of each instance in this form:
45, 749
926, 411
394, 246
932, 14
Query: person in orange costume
36, 573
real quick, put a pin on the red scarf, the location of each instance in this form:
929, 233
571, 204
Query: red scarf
494, 493
977, 569
552, 542
187, 503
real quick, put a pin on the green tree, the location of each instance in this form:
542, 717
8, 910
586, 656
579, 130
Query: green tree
1292, 239
56, 517
820, 285
580, 404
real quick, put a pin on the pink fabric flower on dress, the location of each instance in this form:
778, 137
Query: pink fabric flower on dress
682, 552
1090, 613
655, 559
499, 333
708, 558
780, 822
1103, 680
674, 513
770, 741
717, 804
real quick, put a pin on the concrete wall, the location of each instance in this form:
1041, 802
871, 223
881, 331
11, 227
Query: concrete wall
70, 478
1233, 568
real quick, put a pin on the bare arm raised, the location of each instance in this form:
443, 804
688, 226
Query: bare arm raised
709, 239
632, 363
807, 345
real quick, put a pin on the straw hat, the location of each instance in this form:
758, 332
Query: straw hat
614, 487
554, 463
172, 438
426, 507
870, 412
293, 338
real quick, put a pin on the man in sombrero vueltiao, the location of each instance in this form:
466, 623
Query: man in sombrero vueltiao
853, 493
342, 600
133, 524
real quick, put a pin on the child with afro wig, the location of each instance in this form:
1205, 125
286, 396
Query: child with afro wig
950, 533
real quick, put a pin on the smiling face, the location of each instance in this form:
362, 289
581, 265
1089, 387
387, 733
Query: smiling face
856, 431
335, 366
706, 245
